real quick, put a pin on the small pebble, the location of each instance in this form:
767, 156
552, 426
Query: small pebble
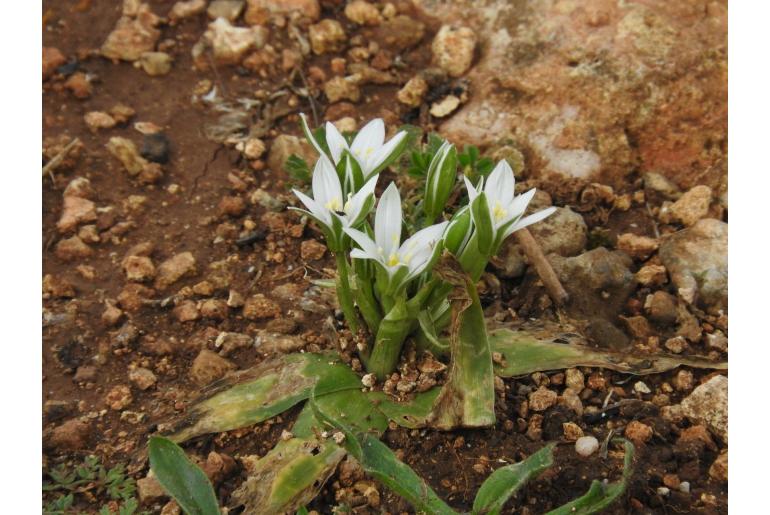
586, 445
663, 491
684, 487
641, 387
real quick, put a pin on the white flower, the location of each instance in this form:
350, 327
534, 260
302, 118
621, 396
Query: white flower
505, 209
368, 148
412, 257
328, 204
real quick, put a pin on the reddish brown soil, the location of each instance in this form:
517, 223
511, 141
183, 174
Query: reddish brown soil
188, 221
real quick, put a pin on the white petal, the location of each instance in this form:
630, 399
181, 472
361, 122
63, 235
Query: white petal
472, 193
326, 184
359, 254
368, 141
336, 142
365, 242
309, 134
387, 220
418, 249
357, 201
500, 183
384, 152
315, 209
529, 220
520, 203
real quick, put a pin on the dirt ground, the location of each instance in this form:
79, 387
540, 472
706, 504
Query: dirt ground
205, 204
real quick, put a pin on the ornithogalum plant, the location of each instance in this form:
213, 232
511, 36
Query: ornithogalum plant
399, 283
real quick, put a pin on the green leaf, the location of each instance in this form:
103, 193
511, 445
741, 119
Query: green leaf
528, 351
599, 495
380, 462
183, 480
262, 392
410, 414
302, 511
288, 476
298, 169
506, 481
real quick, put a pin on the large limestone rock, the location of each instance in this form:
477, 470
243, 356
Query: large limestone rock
598, 89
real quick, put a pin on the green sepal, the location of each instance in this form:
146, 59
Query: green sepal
442, 175
485, 229
458, 232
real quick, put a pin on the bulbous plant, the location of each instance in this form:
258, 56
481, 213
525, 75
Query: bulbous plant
399, 286
408, 271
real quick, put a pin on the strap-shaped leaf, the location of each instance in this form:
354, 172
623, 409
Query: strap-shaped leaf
599, 495
380, 462
183, 480
526, 351
506, 481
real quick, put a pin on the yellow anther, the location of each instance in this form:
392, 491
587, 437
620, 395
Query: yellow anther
498, 212
334, 204
393, 260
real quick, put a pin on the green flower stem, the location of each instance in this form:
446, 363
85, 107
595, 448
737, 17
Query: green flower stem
343, 292
365, 299
468, 397
394, 328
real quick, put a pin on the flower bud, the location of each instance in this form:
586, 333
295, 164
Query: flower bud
485, 229
458, 231
442, 174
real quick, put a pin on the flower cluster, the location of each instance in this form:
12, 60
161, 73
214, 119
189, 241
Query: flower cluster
391, 279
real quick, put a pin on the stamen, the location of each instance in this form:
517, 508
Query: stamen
393, 260
334, 204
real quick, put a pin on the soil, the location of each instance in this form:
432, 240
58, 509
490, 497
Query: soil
75, 337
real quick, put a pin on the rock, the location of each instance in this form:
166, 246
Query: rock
253, 148
186, 9
699, 434
133, 296
134, 34
598, 281
138, 268
572, 431
208, 367
363, 13
413, 92
215, 309
232, 206
76, 210
269, 343
542, 399
718, 469
72, 248
52, 59
186, 311
400, 33
657, 183
228, 9
119, 397
696, 259
227, 44
155, 147
684, 381
218, 466
571, 400
586, 446
578, 121
79, 187
652, 275
284, 146
327, 36
111, 314
312, 250
453, 49
97, 120
80, 85
157, 346
125, 151
676, 345
575, 380
258, 12
72, 435
142, 378
171, 508
174, 268
231, 342
258, 307
638, 247
155, 64
445, 106
149, 490
638, 432
641, 387
235, 299
343, 88
638, 327
691, 207
717, 341
707, 404
662, 308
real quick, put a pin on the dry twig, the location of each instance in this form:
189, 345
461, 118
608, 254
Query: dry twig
51, 165
542, 266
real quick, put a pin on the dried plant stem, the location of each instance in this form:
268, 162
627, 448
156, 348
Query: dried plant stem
542, 266
51, 165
